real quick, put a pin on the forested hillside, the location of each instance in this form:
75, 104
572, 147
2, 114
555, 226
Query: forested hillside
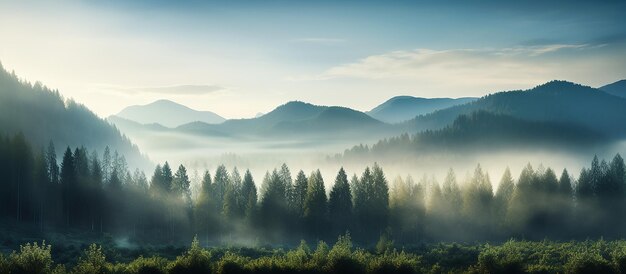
555, 101
43, 115
482, 131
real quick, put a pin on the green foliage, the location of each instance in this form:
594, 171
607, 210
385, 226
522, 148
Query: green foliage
232, 263
94, 261
151, 265
32, 258
195, 260
588, 263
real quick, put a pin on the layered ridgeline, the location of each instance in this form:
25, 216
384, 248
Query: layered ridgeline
402, 108
485, 131
618, 88
556, 115
42, 115
555, 101
293, 119
168, 113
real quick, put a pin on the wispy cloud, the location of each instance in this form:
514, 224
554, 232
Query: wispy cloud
183, 89
167, 90
471, 65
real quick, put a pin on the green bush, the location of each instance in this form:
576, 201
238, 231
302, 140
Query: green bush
502, 259
152, 265
32, 258
588, 263
4, 265
93, 262
232, 263
195, 260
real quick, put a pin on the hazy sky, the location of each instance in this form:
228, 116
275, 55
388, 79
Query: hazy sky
238, 58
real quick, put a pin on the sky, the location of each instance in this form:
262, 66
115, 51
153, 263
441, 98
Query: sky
239, 58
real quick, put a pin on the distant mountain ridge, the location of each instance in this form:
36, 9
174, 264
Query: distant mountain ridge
168, 113
555, 101
618, 88
481, 130
402, 108
294, 118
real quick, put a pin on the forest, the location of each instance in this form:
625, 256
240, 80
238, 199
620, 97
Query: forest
372, 224
88, 192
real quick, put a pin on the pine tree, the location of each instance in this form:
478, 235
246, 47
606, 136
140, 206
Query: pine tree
249, 195
221, 182
503, 196
53, 167
315, 205
181, 185
298, 194
340, 204
68, 181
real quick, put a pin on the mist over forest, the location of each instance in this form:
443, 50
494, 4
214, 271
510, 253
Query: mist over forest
312, 137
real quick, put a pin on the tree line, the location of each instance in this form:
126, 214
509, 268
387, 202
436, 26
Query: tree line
89, 192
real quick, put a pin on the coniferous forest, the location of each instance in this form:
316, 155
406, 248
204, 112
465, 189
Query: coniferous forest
93, 196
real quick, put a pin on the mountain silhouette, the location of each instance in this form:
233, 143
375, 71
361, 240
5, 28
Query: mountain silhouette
555, 101
168, 113
618, 88
402, 108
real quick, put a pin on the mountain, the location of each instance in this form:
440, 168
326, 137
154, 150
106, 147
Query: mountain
555, 101
618, 88
333, 120
402, 108
43, 115
168, 113
295, 118
482, 131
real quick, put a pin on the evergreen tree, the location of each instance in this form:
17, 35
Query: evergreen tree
503, 196
315, 205
221, 182
205, 208
298, 194
452, 196
156, 183
249, 194
167, 177
340, 204
181, 185
53, 167
106, 164
68, 181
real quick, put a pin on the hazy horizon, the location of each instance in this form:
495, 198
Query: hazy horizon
238, 59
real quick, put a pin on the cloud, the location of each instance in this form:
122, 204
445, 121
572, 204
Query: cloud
524, 64
183, 89
168, 90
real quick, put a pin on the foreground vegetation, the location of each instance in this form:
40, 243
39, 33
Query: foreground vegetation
509, 257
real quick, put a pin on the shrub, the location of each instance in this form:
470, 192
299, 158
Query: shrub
588, 263
4, 265
152, 265
232, 263
500, 260
195, 260
32, 258
319, 258
93, 262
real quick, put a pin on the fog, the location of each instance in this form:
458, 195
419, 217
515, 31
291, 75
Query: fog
259, 155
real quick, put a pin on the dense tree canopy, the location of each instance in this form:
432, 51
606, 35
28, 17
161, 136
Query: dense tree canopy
88, 192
